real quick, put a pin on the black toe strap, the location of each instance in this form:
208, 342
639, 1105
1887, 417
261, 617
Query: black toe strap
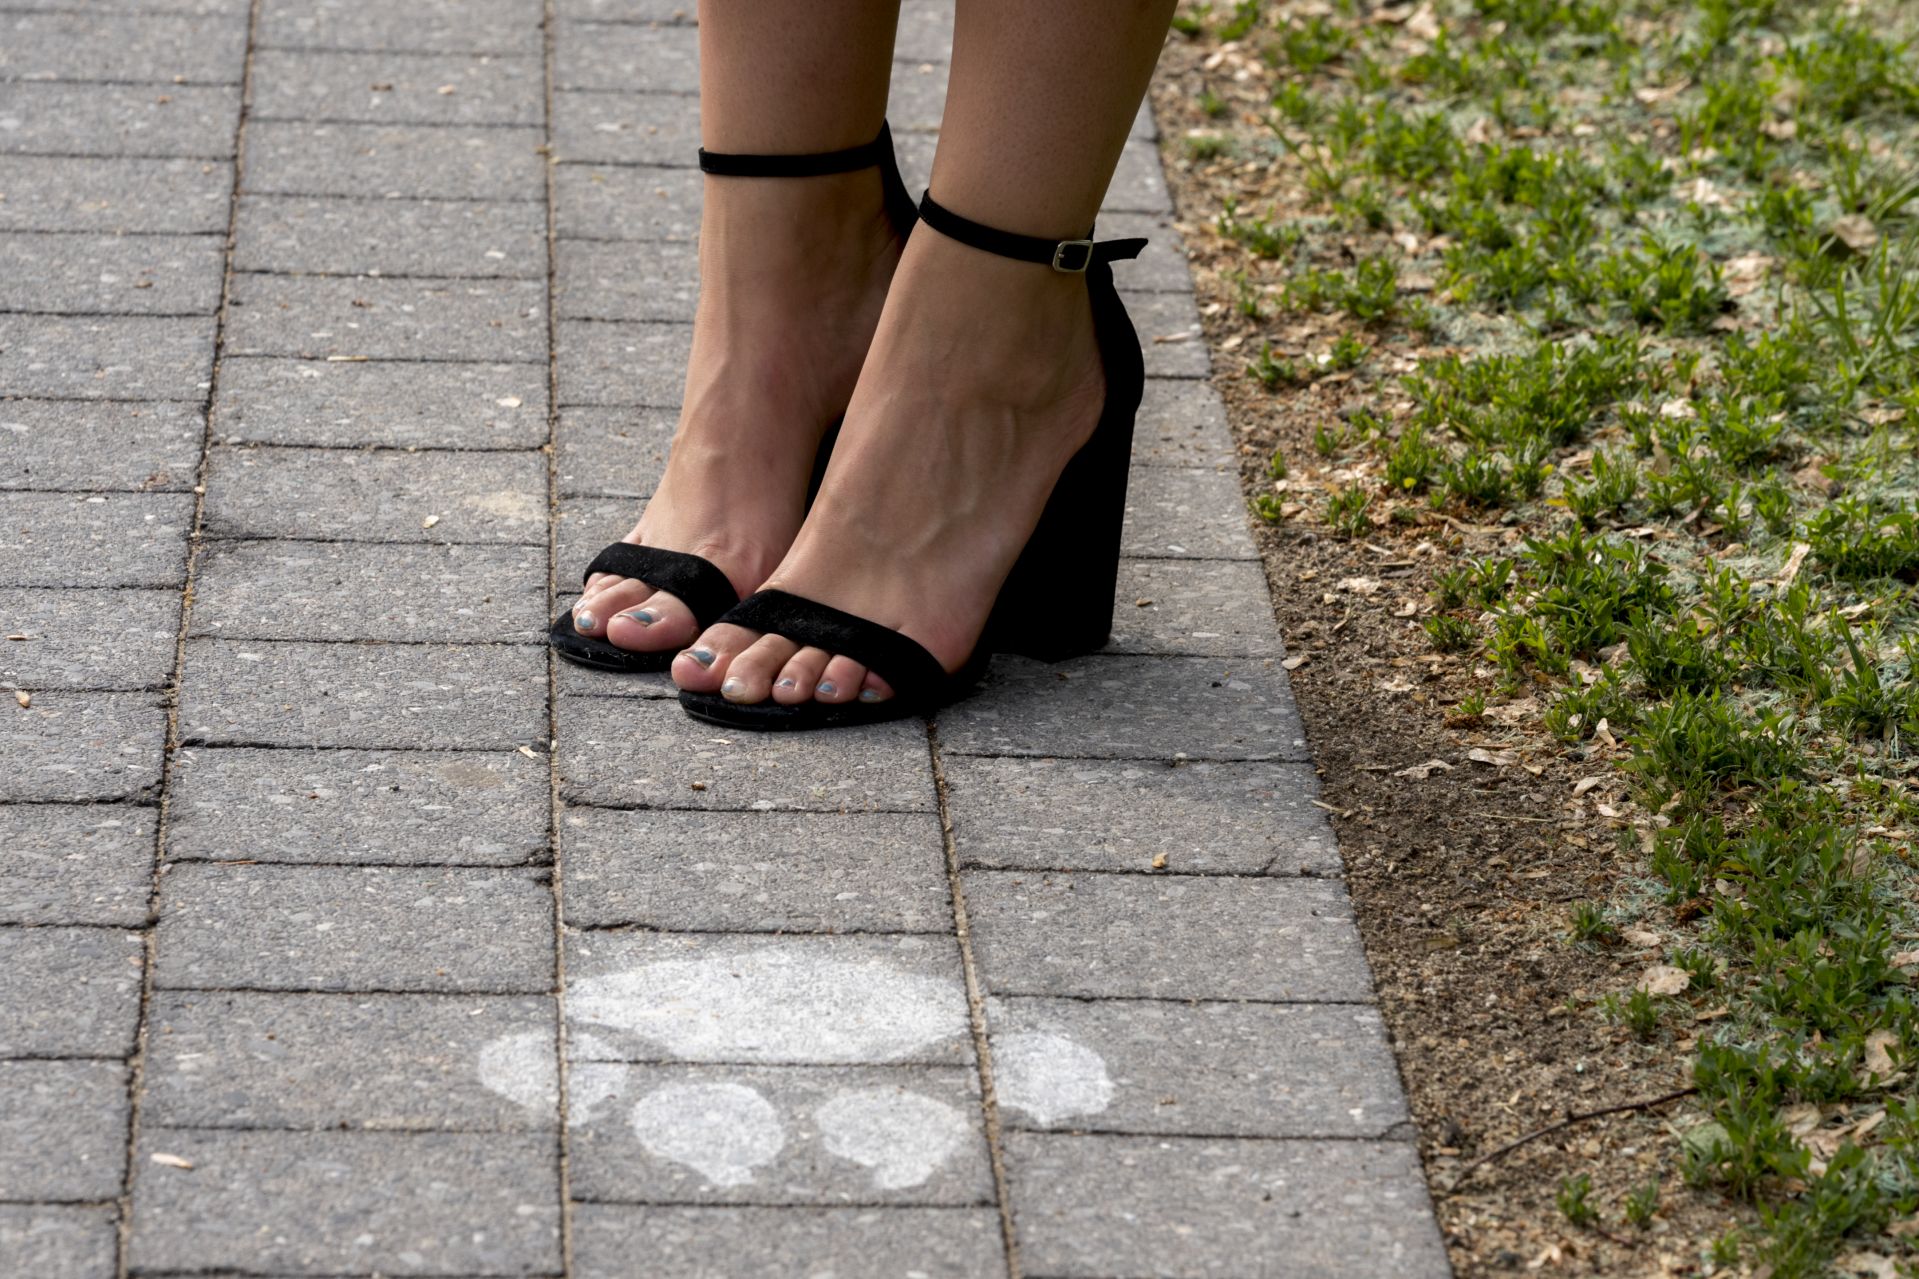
915, 674
700, 586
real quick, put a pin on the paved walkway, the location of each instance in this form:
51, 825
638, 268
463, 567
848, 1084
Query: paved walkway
345, 934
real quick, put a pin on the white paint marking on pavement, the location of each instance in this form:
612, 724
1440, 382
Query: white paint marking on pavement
1049, 1077
521, 1068
778, 1004
722, 1131
902, 1136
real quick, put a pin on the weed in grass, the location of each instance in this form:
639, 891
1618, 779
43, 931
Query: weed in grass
1211, 105
1637, 1011
1276, 464
1856, 541
1702, 743
1575, 1202
1246, 299
1206, 146
1347, 512
1246, 16
1642, 1204
1613, 485
1268, 508
1261, 238
1413, 460
1589, 923
1451, 634
1673, 286
1472, 707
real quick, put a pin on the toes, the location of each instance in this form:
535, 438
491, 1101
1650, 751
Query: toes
703, 664
875, 689
750, 677
799, 676
659, 622
840, 682
596, 606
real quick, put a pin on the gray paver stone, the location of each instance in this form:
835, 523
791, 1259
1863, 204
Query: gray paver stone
426, 807
63, 1125
765, 1000
631, 752
123, 274
395, 160
94, 538
69, 444
757, 872
1207, 937
601, 363
1187, 1208
1161, 266
118, 119
1181, 513
348, 1202
88, 639
65, 193
628, 128
777, 1135
603, 452
451, 238
353, 928
93, 357
1182, 423
628, 279
1193, 607
380, 696
402, 405
1107, 815
387, 319
584, 525
389, 88
363, 590
775, 1243
323, 1061
69, 992
81, 747
1139, 184
162, 48
621, 203
431, 26
1105, 707
925, 30
646, 11
1240, 1070
1169, 333
59, 1241
382, 496
627, 56
75, 864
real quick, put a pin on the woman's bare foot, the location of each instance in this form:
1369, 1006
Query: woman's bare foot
793, 276
983, 380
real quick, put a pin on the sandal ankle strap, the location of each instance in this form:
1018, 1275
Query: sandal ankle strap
819, 164
1070, 257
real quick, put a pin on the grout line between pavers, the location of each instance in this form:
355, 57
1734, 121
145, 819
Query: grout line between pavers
555, 805
136, 1066
975, 1008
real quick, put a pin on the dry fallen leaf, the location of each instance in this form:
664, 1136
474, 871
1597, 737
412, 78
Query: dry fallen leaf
509, 401
23, 697
1420, 772
1855, 231
1159, 861
1663, 979
172, 1161
1878, 1051
1640, 937
1496, 759
1793, 561
1585, 784
1294, 663
429, 521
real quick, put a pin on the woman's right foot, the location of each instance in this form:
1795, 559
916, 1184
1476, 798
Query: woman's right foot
793, 276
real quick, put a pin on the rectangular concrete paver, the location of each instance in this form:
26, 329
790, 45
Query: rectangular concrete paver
51, 118
605, 202
333, 928
158, 47
68, 444
88, 639
433, 26
75, 864
848, 1243
388, 88
59, 1241
449, 238
405, 319
63, 1125
463, 808
400, 404
404, 696
106, 357
621, 363
82, 747
69, 992
382, 161
64, 193
1209, 937
111, 274
95, 539
1188, 1208
617, 452
418, 1203
346, 1061
755, 872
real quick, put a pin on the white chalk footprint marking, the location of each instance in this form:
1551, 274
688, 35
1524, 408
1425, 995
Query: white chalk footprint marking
722, 1131
780, 1005
902, 1136
1049, 1077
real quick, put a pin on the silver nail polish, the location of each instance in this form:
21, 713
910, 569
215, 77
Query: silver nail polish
869, 695
584, 621
826, 690
644, 616
789, 683
732, 688
704, 656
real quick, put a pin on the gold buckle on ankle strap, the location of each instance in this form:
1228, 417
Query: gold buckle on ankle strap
1073, 256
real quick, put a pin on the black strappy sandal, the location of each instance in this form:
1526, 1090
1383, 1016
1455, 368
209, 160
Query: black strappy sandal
700, 585
1058, 600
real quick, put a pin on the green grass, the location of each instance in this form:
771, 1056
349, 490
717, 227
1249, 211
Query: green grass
1674, 254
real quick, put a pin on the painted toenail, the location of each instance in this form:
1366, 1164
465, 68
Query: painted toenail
827, 690
869, 695
789, 682
644, 616
704, 656
732, 688
584, 621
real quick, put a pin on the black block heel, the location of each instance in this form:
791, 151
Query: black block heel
1057, 602
701, 586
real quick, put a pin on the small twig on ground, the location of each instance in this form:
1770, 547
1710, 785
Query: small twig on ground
1571, 1118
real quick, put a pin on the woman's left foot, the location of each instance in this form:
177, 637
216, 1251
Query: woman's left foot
983, 380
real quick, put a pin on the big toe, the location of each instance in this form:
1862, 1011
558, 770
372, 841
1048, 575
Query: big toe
659, 622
